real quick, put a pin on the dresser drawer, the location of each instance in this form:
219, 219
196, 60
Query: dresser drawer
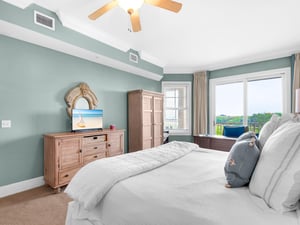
90, 158
65, 176
94, 148
97, 139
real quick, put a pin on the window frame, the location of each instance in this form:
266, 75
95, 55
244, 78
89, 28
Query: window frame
188, 86
284, 73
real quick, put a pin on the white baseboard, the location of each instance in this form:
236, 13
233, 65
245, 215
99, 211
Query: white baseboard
21, 186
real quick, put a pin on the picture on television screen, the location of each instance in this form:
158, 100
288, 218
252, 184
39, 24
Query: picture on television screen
87, 119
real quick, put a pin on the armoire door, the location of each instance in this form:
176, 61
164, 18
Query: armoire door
147, 121
157, 121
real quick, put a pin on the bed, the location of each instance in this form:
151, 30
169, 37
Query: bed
174, 184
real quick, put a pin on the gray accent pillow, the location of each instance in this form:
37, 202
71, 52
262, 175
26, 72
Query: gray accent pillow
248, 135
241, 162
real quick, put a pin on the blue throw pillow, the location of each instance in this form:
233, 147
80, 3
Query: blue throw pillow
241, 162
233, 131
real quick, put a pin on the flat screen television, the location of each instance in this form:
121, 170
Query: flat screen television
87, 119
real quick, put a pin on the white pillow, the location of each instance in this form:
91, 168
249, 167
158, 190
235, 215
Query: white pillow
276, 178
267, 129
287, 117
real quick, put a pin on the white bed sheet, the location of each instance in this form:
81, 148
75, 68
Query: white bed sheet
188, 191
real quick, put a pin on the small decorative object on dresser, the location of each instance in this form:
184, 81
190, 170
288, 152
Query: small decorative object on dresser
221, 143
65, 153
145, 119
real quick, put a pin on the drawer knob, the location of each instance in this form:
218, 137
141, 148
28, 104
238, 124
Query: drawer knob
108, 145
95, 156
95, 138
95, 147
66, 175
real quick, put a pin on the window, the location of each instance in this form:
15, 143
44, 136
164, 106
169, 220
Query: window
248, 99
177, 107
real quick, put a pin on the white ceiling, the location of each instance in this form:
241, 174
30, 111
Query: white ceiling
204, 35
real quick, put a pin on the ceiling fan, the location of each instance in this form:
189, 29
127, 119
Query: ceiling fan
132, 7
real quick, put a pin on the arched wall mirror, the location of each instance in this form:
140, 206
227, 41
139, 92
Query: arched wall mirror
80, 97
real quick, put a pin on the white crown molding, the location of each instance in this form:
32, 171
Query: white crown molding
119, 43
233, 63
149, 58
33, 37
91, 32
104, 37
25, 185
19, 3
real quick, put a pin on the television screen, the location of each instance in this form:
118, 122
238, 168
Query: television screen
87, 119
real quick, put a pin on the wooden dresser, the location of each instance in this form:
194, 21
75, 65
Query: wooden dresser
214, 142
65, 153
145, 119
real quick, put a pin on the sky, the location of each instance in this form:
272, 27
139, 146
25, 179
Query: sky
264, 96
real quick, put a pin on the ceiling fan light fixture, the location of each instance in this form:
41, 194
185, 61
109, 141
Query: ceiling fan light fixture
130, 4
132, 8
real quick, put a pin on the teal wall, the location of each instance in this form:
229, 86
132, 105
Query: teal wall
178, 77
33, 83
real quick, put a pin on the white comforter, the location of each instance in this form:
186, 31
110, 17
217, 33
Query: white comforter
187, 191
93, 181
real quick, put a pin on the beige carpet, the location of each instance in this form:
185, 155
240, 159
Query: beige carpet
39, 206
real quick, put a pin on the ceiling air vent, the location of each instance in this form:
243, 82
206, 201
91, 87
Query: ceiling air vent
133, 57
44, 20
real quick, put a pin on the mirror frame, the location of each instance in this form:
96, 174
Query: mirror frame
82, 90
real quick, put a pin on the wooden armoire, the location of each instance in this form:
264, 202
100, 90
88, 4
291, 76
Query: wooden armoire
145, 119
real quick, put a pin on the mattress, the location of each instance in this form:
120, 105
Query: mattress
186, 191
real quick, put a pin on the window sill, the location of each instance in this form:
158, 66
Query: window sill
179, 134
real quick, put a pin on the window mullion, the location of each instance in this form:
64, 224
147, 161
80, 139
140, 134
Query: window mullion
245, 106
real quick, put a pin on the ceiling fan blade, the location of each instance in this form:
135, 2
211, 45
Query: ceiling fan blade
135, 20
166, 4
99, 12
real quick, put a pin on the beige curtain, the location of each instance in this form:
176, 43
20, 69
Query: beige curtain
296, 83
200, 103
